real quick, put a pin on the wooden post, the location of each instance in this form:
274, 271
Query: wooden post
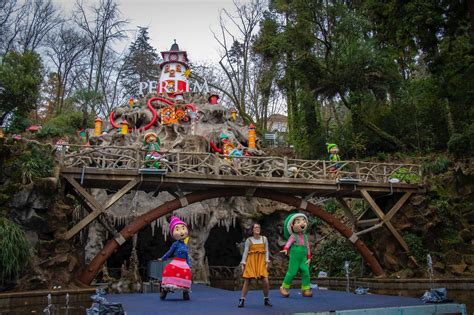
382, 217
324, 168
96, 207
137, 156
285, 166
178, 162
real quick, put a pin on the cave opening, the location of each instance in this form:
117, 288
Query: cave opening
222, 246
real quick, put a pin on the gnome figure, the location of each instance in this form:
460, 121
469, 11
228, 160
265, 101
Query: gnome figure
334, 157
177, 274
152, 145
294, 228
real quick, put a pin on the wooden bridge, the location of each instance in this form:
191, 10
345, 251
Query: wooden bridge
193, 177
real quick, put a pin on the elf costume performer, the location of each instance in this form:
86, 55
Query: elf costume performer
300, 255
177, 274
152, 145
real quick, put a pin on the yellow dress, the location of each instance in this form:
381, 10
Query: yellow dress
255, 266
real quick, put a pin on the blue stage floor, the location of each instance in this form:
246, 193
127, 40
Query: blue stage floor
207, 300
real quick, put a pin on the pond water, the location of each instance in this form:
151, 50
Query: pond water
458, 296
54, 310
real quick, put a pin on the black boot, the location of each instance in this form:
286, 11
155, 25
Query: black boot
186, 295
266, 302
241, 302
163, 294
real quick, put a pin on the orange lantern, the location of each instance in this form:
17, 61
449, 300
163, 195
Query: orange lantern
98, 127
124, 129
252, 137
131, 102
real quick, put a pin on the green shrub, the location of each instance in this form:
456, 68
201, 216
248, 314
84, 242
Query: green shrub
36, 162
18, 124
417, 249
405, 176
438, 166
62, 124
441, 206
331, 255
459, 145
331, 205
14, 250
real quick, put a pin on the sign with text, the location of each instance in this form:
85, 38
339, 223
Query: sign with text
149, 87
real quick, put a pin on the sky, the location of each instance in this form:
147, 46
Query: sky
188, 21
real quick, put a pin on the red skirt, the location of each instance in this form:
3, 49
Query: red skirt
177, 275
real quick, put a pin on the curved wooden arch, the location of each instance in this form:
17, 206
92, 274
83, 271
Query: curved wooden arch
91, 271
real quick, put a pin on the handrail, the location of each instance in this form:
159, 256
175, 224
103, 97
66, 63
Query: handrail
134, 157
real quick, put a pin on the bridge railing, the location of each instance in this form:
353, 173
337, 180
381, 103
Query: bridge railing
259, 166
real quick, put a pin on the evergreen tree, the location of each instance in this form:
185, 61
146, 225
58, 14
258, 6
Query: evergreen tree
141, 63
20, 79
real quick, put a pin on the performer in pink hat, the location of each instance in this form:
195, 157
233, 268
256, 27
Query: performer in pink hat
177, 274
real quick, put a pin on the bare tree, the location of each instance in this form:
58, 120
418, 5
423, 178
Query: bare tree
39, 17
236, 48
110, 87
65, 49
10, 17
102, 27
249, 77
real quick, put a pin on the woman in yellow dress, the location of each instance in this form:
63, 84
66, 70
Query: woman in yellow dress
255, 260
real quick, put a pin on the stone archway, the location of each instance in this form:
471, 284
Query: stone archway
91, 271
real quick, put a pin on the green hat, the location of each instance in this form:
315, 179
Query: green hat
331, 145
224, 136
287, 230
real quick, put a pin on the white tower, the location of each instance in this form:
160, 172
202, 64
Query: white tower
173, 77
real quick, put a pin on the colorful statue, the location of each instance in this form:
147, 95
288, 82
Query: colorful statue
152, 145
177, 274
227, 146
300, 255
333, 151
255, 260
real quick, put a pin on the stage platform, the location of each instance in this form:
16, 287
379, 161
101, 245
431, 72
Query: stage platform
208, 300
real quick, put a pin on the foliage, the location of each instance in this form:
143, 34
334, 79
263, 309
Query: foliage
18, 124
460, 145
14, 250
438, 166
441, 206
405, 176
415, 243
141, 63
63, 124
383, 75
331, 255
20, 78
35, 162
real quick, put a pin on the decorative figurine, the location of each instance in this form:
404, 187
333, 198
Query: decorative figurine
333, 151
255, 261
300, 255
177, 274
152, 144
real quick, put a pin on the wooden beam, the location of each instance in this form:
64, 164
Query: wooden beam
373, 205
96, 207
397, 206
382, 217
347, 210
373, 227
102, 219
367, 222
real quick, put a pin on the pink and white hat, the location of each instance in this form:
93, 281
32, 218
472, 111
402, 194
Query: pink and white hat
175, 221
